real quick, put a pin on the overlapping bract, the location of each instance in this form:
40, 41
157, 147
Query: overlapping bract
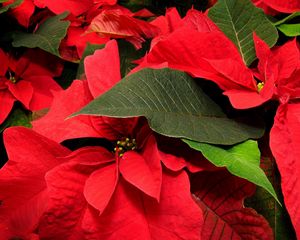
276, 77
66, 192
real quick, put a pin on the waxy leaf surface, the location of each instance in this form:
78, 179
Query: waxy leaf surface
241, 160
14, 4
238, 19
47, 37
174, 106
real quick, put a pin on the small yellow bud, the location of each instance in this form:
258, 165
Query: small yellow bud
260, 86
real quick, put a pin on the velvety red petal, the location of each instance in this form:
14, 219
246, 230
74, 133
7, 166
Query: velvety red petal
22, 189
268, 10
132, 215
243, 99
114, 128
221, 196
199, 21
287, 58
199, 49
54, 124
62, 220
168, 23
145, 13
176, 217
172, 162
100, 187
6, 103
113, 24
102, 69
288, 6
23, 145
122, 219
176, 155
263, 53
235, 72
75, 7
43, 89
23, 12
93, 156
22, 91
76, 37
143, 170
284, 143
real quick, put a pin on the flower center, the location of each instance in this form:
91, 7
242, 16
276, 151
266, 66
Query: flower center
260, 86
125, 145
11, 76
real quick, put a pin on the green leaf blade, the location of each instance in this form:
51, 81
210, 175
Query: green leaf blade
238, 19
290, 30
174, 105
47, 37
15, 4
241, 160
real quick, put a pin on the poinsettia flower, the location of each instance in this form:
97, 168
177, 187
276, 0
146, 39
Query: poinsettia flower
103, 72
67, 190
116, 23
211, 55
277, 75
27, 80
23, 12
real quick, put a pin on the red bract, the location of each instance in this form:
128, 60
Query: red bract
23, 190
76, 7
67, 190
117, 23
23, 12
76, 37
284, 142
103, 72
221, 196
27, 80
288, 6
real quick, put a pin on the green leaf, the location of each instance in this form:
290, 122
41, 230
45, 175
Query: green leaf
47, 37
89, 50
128, 54
12, 5
17, 117
238, 19
241, 160
290, 30
174, 105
